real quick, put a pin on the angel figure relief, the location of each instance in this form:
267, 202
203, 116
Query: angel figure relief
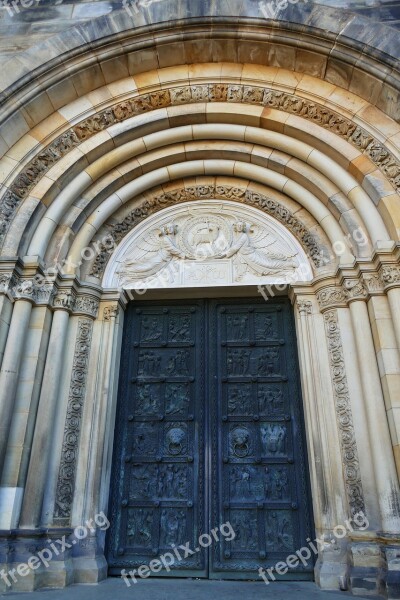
251, 254
151, 255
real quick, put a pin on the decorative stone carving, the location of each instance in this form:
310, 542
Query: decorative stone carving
110, 312
64, 300
25, 289
86, 305
83, 304
330, 297
207, 243
69, 453
373, 282
356, 289
348, 446
390, 274
290, 103
7, 282
304, 307
118, 231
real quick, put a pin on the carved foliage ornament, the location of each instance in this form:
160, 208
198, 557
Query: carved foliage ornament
332, 296
110, 312
69, 453
304, 307
116, 232
26, 289
354, 134
348, 446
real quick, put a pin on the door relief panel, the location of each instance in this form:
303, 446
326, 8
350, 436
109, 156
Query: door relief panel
209, 431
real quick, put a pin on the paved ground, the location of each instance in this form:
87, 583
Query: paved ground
186, 589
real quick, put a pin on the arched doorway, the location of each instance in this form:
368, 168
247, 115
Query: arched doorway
132, 121
210, 426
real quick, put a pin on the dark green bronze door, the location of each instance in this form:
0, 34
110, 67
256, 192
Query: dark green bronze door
209, 431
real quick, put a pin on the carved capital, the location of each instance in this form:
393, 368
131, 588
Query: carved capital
390, 275
332, 297
356, 290
45, 294
373, 282
7, 283
25, 289
63, 300
86, 305
110, 312
304, 307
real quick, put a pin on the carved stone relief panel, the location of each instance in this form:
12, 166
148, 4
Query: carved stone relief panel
206, 244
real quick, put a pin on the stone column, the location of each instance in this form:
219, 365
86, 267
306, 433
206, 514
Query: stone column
93, 475
10, 368
390, 277
381, 448
389, 365
6, 307
25, 406
48, 404
364, 555
328, 491
24, 293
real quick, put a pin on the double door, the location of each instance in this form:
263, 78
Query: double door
209, 444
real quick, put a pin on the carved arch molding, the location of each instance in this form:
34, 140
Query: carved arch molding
364, 141
315, 248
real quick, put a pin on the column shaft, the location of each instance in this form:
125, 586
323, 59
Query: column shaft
10, 369
42, 440
381, 448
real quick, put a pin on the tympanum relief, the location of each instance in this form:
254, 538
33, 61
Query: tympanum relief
212, 243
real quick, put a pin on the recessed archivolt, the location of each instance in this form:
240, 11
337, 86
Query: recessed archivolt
309, 233
299, 163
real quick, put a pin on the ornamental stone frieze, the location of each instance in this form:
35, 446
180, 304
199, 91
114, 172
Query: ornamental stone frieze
245, 94
344, 416
83, 304
40, 292
17, 288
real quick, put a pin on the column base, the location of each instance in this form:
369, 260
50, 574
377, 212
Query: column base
368, 569
90, 565
332, 567
392, 554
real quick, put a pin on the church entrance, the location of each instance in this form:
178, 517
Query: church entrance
209, 452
